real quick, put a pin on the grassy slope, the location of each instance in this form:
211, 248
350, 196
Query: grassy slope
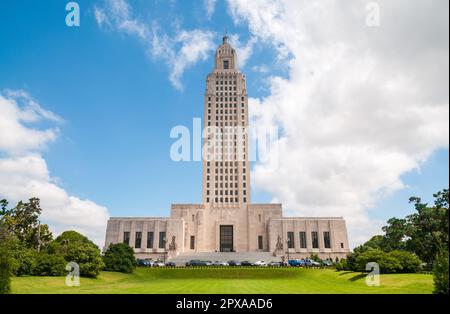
230, 280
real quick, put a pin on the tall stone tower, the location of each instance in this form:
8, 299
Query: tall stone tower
226, 221
226, 169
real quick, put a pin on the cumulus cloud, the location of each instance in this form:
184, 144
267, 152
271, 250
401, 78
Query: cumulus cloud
180, 51
210, 6
24, 173
243, 51
360, 106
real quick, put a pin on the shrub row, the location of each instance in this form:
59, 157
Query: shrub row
388, 262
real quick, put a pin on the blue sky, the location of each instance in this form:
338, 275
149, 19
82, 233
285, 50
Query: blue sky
119, 104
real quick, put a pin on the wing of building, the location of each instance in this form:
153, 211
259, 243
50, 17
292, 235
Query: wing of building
227, 221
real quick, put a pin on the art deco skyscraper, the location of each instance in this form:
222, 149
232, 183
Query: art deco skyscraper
226, 171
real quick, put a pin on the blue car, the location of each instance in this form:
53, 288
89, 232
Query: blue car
296, 262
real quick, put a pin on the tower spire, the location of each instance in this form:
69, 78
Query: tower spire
225, 36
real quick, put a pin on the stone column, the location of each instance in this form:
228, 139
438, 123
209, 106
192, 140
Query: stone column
133, 233
144, 236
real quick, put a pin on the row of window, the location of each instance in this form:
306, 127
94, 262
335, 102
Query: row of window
226, 117
222, 105
222, 192
222, 88
150, 239
226, 178
229, 157
226, 164
221, 124
227, 200
314, 240
225, 82
242, 98
217, 170
226, 111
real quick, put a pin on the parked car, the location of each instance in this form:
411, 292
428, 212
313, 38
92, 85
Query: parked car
326, 263
158, 264
260, 264
143, 262
197, 262
246, 263
170, 264
220, 263
234, 263
275, 264
296, 262
311, 263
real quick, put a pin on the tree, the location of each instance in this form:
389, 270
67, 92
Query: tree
75, 247
395, 235
23, 222
429, 227
440, 273
119, 257
5, 261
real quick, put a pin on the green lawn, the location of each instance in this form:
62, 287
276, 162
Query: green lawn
228, 280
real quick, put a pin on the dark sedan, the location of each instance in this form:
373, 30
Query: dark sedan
196, 262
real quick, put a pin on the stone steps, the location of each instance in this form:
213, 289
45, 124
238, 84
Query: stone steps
228, 256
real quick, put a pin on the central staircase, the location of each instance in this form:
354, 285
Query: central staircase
225, 257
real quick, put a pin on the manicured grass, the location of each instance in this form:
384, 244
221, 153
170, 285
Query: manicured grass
228, 280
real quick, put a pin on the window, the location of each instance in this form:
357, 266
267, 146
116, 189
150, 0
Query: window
259, 216
260, 242
342, 245
126, 237
192, 242
315, 240
225, 64
326, 239
150, 240
162, 240
138, 240
302, 239
193, 217
290, 237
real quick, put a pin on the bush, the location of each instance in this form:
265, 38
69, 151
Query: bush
75, 247
387, 263
410, 262
49, 265
342, 265
440, 273
315, 258
119, 257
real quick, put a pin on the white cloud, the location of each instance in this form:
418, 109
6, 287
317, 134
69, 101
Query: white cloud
210, 6
360, 107
179, 52
24, 173
243, 51
193, 46
260, 68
